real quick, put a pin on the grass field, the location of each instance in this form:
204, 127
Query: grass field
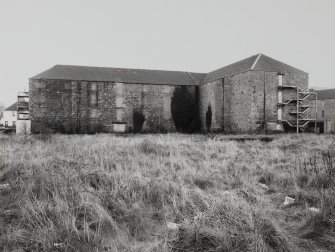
166, 193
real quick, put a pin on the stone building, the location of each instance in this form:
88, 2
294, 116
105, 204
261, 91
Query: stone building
253, 95
326, 111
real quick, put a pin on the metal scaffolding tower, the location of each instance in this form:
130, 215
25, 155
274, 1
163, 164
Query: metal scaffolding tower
299, 108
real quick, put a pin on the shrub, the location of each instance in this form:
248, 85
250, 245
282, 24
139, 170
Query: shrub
184, 110
149, 147
203, 183
138, 120
209, 118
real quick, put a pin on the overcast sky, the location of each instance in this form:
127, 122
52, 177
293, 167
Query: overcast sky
186, 35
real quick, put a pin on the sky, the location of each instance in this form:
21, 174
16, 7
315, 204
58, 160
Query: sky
186, 35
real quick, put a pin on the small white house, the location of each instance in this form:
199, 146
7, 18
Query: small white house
9, 116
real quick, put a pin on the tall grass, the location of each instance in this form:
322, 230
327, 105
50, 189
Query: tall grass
109, 193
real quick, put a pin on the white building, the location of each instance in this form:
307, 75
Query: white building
9, 117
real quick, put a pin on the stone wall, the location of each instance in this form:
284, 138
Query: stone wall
237, 103
83, 107
326, 114
242, 103
247, 102
211, 95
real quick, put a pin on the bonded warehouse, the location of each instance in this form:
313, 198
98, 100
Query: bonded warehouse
255, 95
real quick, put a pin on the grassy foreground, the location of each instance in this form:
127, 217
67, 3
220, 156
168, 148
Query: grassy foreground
166, 193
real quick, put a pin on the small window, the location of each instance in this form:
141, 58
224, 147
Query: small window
93, 99
280, 79
23, 99
23, 116
93, 86
119, 102
254, 89
14, 123
94, 113
68, 85
166, 89
322, 113
6, 123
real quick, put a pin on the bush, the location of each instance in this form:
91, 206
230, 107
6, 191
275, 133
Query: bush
209, 118
184, 110
138, 120
149, 147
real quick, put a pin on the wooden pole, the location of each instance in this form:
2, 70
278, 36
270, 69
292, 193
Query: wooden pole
297, 110
316, 111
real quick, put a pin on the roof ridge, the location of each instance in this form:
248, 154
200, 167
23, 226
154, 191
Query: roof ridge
190, 74
124, 68
127, 75
11, 107
256, 61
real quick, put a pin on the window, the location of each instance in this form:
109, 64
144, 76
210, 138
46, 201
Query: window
280, 80
94, 94
23, 99
94, 113
23, 116
119, 115
6, 123
322, 113
14, 123
119, 102
67, 85
93, 99
93, 86
254, 89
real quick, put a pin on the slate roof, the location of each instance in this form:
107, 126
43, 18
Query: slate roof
67, 72
12, 107
325, 94
232, 69
259, 62
267, 64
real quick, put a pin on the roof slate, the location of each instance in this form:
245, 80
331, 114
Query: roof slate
12, 107
259, 62
267, 64
138, 76
325, 94
232, 69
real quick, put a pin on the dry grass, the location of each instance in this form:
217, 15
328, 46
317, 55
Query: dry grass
109, 193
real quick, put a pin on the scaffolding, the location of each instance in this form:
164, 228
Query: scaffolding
23, 116
23, 106
299, 108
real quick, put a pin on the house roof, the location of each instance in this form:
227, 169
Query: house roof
68, 72
259, 62
267, 64
12, 107
325, 94
232, 69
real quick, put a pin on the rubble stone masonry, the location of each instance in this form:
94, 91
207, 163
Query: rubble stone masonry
247, 102
84, 107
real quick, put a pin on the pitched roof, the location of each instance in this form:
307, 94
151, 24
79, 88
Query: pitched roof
267, 64
259, 62
232, 69
12, 107
68, 72
325, 94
